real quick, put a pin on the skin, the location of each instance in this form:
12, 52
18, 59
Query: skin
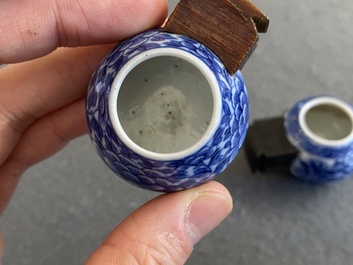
42, 109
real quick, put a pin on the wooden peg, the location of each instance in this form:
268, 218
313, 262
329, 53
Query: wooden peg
228, 27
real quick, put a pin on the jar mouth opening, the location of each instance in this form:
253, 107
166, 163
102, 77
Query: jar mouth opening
152, 100
327, 121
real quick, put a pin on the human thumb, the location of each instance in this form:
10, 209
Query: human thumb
164, 230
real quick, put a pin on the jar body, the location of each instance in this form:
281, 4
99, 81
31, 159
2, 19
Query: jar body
321, 128
180, 170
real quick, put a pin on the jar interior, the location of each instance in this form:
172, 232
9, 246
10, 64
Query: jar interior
329, 122
165, 104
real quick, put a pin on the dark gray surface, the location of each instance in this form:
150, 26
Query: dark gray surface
65, 206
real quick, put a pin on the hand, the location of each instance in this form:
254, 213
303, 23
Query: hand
42, 109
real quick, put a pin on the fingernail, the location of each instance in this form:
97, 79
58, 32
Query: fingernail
205, 213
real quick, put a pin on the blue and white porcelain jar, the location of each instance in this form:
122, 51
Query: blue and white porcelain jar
163, 112
321, 128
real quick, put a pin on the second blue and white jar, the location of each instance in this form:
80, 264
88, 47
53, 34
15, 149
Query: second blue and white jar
321, 128
163, 112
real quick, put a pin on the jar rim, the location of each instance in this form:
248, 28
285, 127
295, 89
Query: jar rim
328, 101
159, 52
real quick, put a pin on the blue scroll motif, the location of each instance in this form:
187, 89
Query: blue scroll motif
167, 176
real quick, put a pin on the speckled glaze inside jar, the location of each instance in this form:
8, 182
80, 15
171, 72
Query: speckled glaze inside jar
165, 104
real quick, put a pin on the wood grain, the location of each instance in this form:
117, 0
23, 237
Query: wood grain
228, 27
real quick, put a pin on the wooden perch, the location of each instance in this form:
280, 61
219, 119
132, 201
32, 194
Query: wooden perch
228, 27
249, 10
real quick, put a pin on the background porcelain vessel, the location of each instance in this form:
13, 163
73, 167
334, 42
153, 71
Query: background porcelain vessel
321, 128
164, 114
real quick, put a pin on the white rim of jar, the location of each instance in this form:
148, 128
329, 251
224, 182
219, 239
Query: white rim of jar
206, 72
331, 101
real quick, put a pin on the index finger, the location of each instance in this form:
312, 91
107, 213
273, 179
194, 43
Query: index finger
30, 29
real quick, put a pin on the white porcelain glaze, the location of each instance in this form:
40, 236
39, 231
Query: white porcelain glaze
327, 121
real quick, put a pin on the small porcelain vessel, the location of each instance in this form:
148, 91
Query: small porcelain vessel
164, 114
321, 128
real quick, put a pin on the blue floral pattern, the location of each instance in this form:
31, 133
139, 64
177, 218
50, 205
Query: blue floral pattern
316, 163
167, 176
317, 170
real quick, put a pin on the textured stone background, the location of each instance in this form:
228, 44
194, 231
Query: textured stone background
65, 206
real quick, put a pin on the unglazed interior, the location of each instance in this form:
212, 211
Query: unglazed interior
165, 104
328, 121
